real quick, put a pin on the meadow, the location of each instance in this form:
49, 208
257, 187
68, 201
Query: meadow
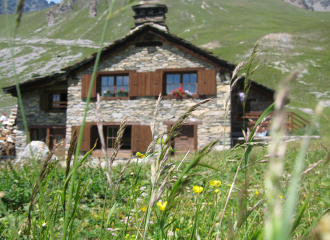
254, 191
103, 214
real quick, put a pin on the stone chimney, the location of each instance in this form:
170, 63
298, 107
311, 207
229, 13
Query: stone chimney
150, 12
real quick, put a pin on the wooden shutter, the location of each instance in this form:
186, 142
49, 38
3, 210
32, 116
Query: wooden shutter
154, 83
85, 82
207, 82
137, 84
86, 140
141, 138
45, 101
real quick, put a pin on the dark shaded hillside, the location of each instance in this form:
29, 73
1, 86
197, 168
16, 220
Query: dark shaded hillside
29, 6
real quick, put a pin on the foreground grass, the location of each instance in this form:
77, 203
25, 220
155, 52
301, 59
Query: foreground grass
126, 218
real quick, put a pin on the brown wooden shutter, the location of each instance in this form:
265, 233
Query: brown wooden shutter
85, 82
137, 84
45, 101
141, 138
207, 82
154, 83
86, 140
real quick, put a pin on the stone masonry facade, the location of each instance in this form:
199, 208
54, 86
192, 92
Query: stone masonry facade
142, 59
34, 116
141, 109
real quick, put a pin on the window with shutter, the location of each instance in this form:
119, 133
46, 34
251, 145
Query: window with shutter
154, 83
207, 82
85, 83
53, 101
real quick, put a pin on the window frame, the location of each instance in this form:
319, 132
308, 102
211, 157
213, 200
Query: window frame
46, 101
182, 71
63, 104
49, 134
181, 79
111, 74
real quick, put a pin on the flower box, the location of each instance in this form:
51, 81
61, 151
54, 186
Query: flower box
111, 94
108, 93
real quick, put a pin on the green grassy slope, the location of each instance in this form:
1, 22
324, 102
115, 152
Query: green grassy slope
289, 37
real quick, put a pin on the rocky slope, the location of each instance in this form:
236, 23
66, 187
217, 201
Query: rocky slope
29, 5
312, 5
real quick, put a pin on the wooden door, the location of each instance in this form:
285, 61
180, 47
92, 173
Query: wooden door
186, 139
57, 135
86, 140
141, 138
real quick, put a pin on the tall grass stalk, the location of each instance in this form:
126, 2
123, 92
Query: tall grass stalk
292, 194
277, 149
41, 191
98, 56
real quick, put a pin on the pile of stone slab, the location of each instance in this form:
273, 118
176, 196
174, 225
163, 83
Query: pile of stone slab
8, 135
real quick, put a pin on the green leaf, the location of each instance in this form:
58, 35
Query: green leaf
263, 115
299, 216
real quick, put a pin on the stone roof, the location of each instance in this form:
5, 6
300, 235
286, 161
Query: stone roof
123, 43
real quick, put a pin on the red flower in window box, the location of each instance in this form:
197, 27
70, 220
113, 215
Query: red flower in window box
179, 92
121, 93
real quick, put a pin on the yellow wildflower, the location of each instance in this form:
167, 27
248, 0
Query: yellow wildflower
177, 229
281, 196
197, 189
144, 208
215, 183
256, 192
216, 190
140, 155
162, 206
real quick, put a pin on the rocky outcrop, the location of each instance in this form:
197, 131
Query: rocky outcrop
92, 8
50, 19
29, 5
39, 150
311, 5
64, 8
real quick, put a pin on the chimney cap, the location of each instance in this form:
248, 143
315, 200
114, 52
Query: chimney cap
150, 12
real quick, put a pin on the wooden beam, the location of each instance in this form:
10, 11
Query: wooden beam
186, 123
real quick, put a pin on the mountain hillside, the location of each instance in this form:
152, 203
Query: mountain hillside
29, 5
289, 38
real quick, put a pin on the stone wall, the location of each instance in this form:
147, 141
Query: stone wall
34, 116
260, 102
141, 109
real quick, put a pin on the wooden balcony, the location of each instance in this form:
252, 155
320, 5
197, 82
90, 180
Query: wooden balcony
59, 105
292, 121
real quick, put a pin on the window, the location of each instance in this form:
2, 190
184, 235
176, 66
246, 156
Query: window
114, 83
53, 101
187, 81
38, 134
59, 101
51, 135
110, 135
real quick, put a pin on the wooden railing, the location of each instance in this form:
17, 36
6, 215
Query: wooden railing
293, 121
59, 104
